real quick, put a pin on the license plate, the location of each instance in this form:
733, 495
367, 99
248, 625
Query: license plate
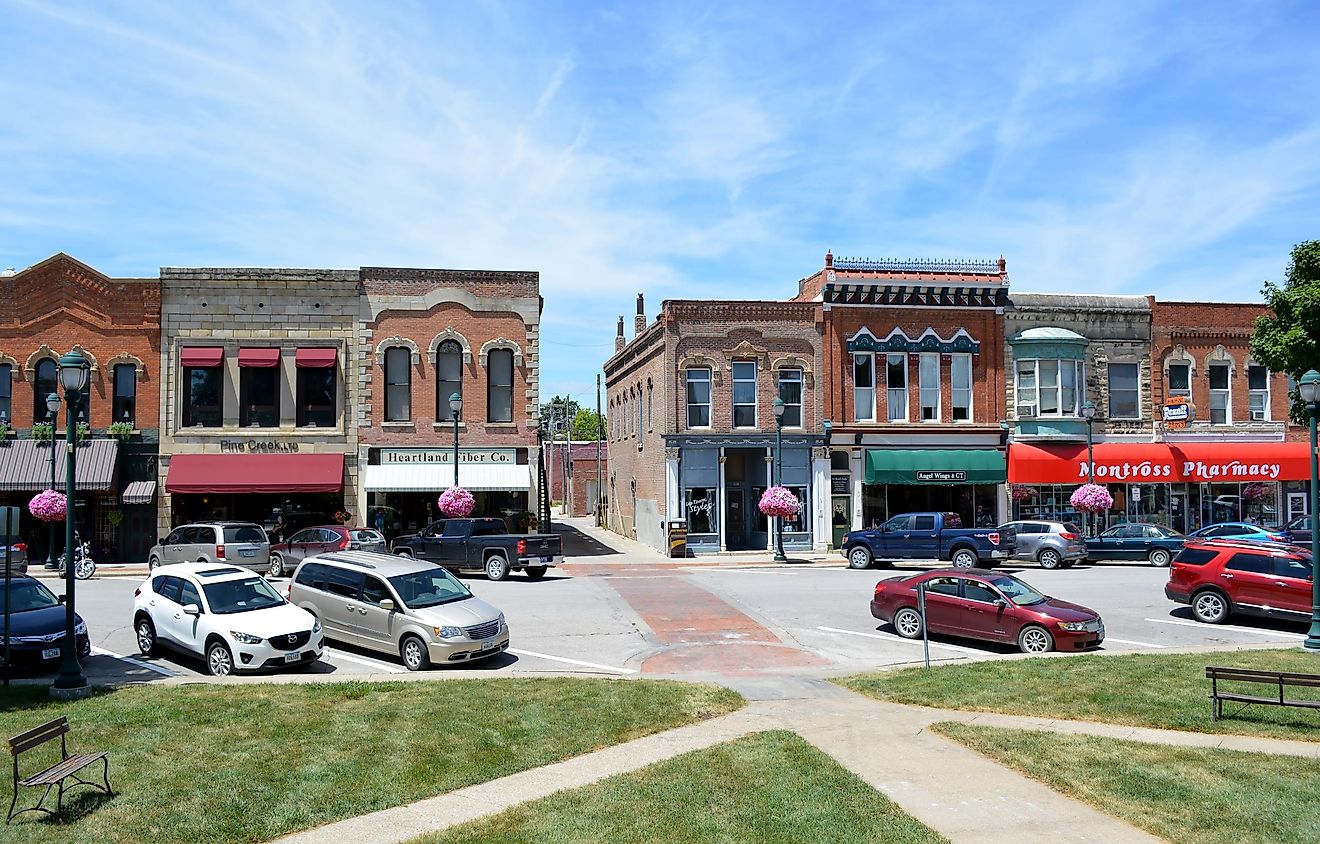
50, 653
293, 657
488, 645
247, 552
547, 560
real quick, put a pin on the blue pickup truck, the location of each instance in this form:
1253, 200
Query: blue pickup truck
928, 536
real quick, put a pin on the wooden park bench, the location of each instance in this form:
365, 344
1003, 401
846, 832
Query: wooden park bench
54, 776
1281, 680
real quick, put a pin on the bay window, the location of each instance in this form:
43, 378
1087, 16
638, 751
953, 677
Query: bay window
1048, 387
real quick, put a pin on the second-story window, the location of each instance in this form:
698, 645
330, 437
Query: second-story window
698, 398
744, 394
7, 394
203, 386
1180, 379
863, 387
1048, 387
43, 384
960, 376
398, 384
896, 383
790, 392
640, 429
316, 397
1258, 393
499, 385
930, 387
259, 396
125, 403
448, 377
1221, 394
1124, 391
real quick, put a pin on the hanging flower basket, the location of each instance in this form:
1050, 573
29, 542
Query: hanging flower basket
49, 506
1091, 498
778, 501
1023, 493
343, 517
1255, 493
456, 502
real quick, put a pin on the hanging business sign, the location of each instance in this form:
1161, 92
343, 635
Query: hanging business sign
1177, 412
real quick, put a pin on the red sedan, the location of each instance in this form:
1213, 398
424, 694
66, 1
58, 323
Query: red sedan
986, 605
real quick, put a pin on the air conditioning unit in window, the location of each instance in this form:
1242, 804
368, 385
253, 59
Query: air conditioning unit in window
1257, 416
1025, 411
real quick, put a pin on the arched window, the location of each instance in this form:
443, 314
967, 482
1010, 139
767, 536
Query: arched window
398, 384
42, 386
7, 393
125, 403
499, 385
448, 377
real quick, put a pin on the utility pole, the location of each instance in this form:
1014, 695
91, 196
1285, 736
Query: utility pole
600, 488
568, 465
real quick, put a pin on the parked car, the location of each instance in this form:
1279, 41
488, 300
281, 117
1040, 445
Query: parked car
1298, 531
18, 560
37, 624
285, 556
927, 536
1220, 577
1052, 544
1240, 530
484, 545
980, 604
238, 543
1136, 541
398, 605
232, 618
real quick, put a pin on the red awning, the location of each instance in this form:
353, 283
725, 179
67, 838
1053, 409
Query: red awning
239, 473
201, 355
261, 357
318, 358
1204, 462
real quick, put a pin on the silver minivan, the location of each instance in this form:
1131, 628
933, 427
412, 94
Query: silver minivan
237, 543
1052, 544
398, 605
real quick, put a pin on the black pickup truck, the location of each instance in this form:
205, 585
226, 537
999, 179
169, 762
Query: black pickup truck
483, 544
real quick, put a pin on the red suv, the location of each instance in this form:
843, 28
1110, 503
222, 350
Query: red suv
1219, 577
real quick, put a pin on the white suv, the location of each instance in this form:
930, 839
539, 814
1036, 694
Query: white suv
231, 617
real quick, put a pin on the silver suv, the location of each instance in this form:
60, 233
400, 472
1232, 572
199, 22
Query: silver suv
1052, 544
237, 543
398, 605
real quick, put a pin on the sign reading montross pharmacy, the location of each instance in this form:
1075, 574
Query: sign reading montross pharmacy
445, 456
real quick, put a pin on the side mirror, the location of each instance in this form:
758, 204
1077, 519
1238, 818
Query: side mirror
192, 609
1001, 603
61, 598
386, 604
160, 540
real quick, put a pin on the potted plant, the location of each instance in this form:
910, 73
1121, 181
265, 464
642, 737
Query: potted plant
41, 432
456, 502
48, 506
4, 428
121, 431
82, 432
779, 501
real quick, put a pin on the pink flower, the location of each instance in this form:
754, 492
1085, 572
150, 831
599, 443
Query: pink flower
456, 502
780, 502
1091, 498
49, 506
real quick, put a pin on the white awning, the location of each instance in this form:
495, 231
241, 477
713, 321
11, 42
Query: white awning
424, 477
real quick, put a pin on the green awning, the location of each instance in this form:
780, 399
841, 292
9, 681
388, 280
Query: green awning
935, 466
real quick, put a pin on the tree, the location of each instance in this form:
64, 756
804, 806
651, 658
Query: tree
553, 413
1286, 340
586, 425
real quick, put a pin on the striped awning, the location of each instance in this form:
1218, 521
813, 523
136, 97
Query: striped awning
139, 492
434, 477
25, 465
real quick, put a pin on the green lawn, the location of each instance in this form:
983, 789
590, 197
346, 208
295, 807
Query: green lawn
769, 788
1183, 794
247, 763
1148, 690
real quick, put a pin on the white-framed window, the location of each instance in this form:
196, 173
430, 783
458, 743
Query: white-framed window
1221, 394
744, 394
698, 398
1258, 393
863, 387
896, 379
960, 378
1124, 391
790, 392
1048, 387
929, 373
1180, 379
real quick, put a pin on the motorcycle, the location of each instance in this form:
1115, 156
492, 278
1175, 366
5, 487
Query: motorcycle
83, 564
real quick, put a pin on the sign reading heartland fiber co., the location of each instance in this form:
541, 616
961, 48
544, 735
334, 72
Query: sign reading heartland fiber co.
445, 456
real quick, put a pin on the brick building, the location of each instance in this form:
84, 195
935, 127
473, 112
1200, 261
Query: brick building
581, 471
46, 310
691, 425
424, 335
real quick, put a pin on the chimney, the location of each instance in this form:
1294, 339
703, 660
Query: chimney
1003, 266
829, 259
639, 321
619, 342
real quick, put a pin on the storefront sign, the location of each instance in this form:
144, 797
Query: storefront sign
933, 477
840, 484
256, 447
1159, 463
485, 456
1177, 412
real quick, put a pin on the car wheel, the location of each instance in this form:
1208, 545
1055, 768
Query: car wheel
146, 637
535, 572
497, 568
276, 565
153, 562
1160, 557
414, 654
964, 558
859, 557
1211, 606
1035, 640
219, 661
1049, 559
907, 622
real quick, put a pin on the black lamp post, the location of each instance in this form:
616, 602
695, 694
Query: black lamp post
778, 405
1088, 413
1309, 386
456, 407
53, 405
74, 372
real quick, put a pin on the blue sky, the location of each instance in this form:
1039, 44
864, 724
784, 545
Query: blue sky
681, 149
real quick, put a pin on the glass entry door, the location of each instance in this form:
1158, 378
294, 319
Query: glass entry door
1296, 505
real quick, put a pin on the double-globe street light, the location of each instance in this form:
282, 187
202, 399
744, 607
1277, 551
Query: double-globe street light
1309, 387
53, 405
74, 372
778, 405
456, 408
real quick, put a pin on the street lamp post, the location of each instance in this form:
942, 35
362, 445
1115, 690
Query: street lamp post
1088, 413
1309, 386
53, 405
456, 406
70, 683
778, 405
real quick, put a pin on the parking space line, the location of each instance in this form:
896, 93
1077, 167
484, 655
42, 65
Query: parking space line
901, 639
1129, 642
370, 663
1209, 627
520, 652
134, 661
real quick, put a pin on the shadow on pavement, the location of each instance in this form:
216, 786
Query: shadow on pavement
579, 544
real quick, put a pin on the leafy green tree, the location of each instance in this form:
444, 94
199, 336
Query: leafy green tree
1289, 339
552, 412
587, 424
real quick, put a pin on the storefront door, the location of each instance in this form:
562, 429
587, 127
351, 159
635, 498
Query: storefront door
1178, 510
1296, 505
735, 519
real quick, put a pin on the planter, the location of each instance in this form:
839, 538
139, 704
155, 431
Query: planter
456, 502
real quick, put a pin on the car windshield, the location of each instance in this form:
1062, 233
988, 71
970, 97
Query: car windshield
250, 593
27, 595
1017, 591
428, 588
